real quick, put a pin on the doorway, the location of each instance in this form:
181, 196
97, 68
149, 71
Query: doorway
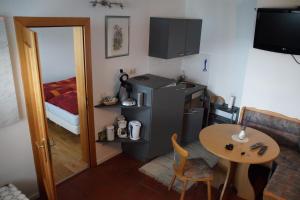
51, 137
58, 77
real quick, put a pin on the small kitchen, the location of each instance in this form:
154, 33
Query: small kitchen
153, 107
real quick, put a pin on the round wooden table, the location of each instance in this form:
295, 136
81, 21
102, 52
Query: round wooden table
215, 137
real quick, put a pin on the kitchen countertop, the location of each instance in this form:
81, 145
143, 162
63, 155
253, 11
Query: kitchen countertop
192, 90
151, 81
155, 82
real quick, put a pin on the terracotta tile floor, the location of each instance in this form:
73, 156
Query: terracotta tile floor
119, 179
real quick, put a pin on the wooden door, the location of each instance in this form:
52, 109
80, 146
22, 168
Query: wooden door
36, 112
78, 37
29, 60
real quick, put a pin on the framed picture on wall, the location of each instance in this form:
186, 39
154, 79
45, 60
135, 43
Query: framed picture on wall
116, 36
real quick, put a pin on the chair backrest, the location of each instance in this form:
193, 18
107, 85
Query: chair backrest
285, 130
180, 156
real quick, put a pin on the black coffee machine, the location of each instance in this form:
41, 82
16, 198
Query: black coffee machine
125, 90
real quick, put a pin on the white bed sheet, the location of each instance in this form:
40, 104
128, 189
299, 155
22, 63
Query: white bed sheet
63, 118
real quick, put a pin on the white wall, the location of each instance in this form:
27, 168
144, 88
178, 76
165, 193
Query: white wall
272, 79
16, 139
16, 158
224, 42
257, 78
56, 50
8, 102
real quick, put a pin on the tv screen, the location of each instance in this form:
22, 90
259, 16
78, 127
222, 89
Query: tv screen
278, 30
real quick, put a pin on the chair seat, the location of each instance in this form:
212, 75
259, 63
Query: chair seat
285, 181
197, 169
284, 184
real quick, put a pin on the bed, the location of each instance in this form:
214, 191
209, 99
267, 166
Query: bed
11, 192
61, 104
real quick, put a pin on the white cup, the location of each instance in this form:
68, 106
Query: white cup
110, 133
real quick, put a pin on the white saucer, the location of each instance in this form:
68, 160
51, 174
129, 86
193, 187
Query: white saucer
236, 138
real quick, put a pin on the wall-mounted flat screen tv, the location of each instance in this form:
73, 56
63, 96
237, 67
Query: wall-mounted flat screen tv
278, 30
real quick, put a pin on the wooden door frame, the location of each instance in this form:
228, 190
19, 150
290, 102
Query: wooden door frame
33, 22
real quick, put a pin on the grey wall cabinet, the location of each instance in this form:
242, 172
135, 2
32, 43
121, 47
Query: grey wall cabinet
161, 116
171, 38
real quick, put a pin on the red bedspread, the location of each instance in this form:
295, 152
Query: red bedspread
66, 101
62, 94
54, 89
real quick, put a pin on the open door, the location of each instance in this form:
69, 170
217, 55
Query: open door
33, 90
28, 48
78, 37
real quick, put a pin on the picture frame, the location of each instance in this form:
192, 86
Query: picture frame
116, 36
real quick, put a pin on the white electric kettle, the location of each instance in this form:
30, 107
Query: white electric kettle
134, 130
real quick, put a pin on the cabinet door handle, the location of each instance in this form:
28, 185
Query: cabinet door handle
190, 113
180, 54
188, 52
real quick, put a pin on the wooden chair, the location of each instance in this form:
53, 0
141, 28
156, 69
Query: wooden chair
195, 170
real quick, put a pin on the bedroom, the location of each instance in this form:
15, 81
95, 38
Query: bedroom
58, 75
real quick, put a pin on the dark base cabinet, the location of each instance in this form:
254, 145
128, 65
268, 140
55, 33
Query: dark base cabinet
137, 151
161, 116
192, 125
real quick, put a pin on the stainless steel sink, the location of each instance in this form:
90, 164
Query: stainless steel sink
186, 85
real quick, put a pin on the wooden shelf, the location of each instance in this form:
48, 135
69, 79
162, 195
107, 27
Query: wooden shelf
123, 140
118, 105
135, 107
108, 106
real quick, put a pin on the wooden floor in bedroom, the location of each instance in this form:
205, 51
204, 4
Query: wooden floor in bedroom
66, 153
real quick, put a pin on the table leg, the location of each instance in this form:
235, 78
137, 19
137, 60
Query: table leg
242, 182
229, 179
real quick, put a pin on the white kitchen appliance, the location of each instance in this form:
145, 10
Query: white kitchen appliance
134, 128
122, 131
110, 133
129, 102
